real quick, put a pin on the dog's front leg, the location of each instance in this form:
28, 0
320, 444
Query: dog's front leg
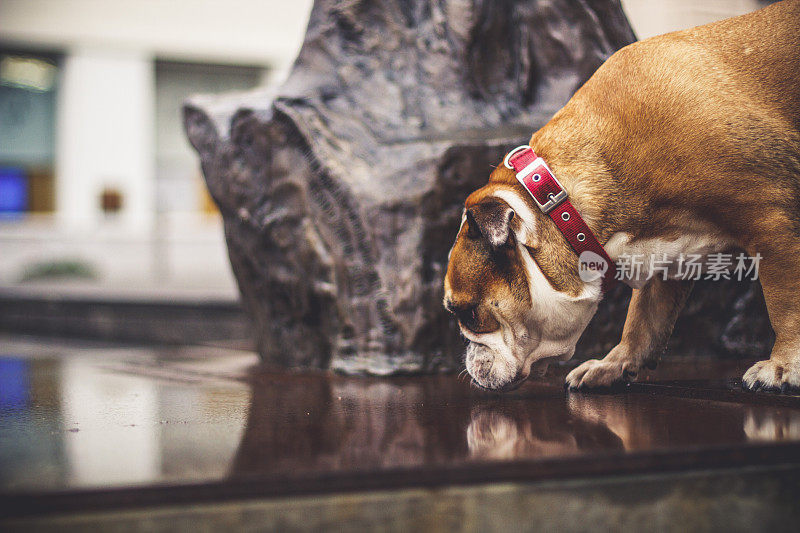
651, 316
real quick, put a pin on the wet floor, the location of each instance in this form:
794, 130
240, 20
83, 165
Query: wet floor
81, 417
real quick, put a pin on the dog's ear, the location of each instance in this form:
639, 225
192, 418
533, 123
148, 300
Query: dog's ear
492, 219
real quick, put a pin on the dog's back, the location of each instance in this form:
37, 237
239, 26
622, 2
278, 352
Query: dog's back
763, 45
702, 117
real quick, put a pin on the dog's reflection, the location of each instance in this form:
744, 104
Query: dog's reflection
514, 430
772, 425
630, 422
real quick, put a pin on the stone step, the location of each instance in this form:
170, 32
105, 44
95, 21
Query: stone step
168, 317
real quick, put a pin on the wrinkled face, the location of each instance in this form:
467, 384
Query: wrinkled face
516, 317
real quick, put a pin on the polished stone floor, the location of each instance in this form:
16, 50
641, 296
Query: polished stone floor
87, 426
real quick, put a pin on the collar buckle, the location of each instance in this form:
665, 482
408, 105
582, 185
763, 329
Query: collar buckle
540, 182
554, 200
542, 172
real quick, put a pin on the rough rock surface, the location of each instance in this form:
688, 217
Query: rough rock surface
725, 318
342, 192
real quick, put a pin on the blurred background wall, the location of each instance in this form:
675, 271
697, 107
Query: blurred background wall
96, 177
99, 189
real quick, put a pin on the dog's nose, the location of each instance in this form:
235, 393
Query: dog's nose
466, 313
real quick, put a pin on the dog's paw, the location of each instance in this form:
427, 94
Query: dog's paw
770, 376
600, 374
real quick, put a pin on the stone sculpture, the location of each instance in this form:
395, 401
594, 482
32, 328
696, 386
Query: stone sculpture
342, 191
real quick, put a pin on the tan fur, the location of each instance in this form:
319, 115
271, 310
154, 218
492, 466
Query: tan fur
698, 128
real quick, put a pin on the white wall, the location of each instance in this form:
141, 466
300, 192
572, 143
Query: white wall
106, 105
105, 136
106, 128
654, 17
231, 31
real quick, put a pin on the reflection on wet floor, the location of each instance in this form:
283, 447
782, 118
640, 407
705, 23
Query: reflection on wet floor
629, 422
87, 419
772, 425
99, 416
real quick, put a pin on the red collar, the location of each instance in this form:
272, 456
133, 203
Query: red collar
537, 178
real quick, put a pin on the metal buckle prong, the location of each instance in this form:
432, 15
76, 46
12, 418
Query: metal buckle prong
554, 200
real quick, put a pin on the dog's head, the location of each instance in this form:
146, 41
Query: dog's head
512, 282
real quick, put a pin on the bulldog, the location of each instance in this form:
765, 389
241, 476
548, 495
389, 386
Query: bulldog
685, 143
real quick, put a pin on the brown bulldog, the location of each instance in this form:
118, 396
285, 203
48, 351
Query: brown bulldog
686, 143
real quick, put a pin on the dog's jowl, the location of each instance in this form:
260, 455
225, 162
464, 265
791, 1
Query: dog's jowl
686, 145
